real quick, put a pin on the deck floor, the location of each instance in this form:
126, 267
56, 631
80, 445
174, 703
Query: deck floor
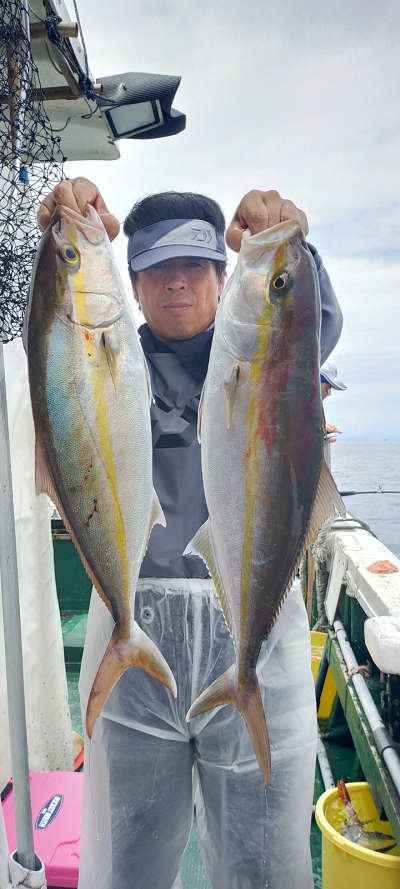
192, 874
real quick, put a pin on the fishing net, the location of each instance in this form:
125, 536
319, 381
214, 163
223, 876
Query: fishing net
30, 164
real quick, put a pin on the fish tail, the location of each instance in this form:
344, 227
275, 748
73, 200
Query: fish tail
247, 699
252, 710
118, 656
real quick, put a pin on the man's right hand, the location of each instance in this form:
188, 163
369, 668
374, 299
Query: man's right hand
77, 194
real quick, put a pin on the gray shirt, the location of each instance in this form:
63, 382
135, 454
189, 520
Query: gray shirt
177, 370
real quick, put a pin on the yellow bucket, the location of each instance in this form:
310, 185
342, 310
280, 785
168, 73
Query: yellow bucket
346, 865
329, 689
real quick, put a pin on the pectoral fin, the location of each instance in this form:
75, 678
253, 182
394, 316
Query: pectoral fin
230, 390
148, 381
200, 414
111, 350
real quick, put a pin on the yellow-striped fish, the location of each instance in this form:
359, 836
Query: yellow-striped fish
260, 424
90, 394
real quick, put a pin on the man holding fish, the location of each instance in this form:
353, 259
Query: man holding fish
265, 495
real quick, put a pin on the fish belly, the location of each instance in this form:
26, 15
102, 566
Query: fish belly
99, 449
256, 527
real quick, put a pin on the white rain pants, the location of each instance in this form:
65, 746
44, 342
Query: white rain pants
139, 789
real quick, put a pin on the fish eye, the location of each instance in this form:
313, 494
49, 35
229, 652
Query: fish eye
280, 282
70, 255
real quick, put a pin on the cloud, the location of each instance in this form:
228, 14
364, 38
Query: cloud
367, 355
302, 98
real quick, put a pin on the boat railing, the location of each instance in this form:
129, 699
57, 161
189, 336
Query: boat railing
360, 611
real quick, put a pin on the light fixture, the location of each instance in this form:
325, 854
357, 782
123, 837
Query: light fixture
139, 106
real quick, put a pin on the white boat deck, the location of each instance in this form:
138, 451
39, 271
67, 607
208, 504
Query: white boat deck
371, 573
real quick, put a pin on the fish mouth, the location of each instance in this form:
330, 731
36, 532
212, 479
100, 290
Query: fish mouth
282, 231
271, 239
66, 221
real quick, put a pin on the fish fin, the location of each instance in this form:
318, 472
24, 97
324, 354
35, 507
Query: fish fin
44, 485
112, 356
225, 690
250, 706
221, 691
157, 516
327, 503
140, 651
89, 570
200, 413
148, 381
323, 423
230, 390
43, 480
24, 333
202, 545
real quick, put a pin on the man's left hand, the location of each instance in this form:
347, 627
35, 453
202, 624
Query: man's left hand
330, 429
259, 210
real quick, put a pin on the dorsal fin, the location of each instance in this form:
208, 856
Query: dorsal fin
327, 503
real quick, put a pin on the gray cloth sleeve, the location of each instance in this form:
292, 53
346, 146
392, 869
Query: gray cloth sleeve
332, 318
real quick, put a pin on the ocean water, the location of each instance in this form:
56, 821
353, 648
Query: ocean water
371, 466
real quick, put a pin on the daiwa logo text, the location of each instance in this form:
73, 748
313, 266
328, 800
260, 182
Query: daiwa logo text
204, 235
49, 812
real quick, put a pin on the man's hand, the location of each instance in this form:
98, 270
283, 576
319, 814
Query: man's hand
259, 210
330, 429
77, 194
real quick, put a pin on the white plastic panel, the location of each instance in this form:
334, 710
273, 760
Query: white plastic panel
382, 638
89, 139
46, 695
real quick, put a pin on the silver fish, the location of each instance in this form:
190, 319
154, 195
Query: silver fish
267, 487
90, 393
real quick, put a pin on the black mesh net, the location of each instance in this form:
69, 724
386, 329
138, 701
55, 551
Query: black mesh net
25, 136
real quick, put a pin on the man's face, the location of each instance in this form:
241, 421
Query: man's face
325, 390
178, 297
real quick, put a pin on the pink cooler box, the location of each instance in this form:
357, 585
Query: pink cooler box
56, 818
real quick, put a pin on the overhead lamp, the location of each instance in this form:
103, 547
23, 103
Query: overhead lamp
139, 106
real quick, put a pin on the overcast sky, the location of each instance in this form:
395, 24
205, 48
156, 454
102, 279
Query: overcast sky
302, 97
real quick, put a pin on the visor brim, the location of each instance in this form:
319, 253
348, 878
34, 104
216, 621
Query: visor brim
155, 255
